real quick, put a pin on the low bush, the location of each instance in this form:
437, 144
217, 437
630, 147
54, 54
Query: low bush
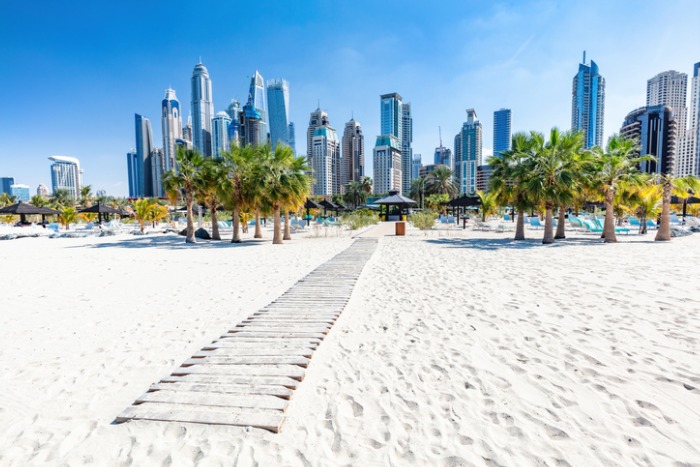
424, 220
360, 218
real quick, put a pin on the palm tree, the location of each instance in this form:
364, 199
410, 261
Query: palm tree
240, 165
489, 204
67, 216
366, 185
208, 188
286, 183
354, 193
158, 213
552, 173
680, 186
613, 167
647, 204
38, 201
184, 179
418, 186
61, 197
7, 199
86, 196
440, 182
510, 171
143, 208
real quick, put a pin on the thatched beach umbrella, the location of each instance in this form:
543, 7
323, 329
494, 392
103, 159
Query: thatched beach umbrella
328, 205
310, 204
395, 199
102, 211
686, 202
23, 209
462, 203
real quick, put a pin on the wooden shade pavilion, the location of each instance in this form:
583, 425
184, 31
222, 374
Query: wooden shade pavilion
400, 202
23, 209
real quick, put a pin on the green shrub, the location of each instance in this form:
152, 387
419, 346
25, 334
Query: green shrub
360, 218
424, 220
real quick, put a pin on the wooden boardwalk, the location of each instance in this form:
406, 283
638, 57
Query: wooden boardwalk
247, 376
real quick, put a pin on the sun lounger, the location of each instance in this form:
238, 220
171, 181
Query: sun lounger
652, 224
535, 223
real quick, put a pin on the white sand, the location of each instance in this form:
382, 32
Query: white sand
460, 349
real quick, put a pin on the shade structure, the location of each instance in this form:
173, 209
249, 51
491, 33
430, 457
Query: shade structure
308, 205
329, 205
101, 210
685, 202
465, 201
23, 209
401, 202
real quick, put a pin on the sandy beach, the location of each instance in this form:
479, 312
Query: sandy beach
456, 348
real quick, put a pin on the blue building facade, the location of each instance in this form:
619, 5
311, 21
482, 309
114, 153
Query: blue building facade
501, 131
20, 192
144, 148
278, 107
468, 149
588, 103
133, 167
5, 184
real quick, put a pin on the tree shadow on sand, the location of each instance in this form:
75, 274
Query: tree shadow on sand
492, 244
172, 242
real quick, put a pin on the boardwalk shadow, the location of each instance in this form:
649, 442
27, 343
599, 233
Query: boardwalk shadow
491, 244
172, 242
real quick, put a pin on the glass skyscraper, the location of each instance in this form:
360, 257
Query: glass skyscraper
258, 100
5, 184
501, 131
65, 174
133, 167
588, 103
468, 147
221, 126
353, 153
171, 120
144, 147
278, 107
202, 110
396, 121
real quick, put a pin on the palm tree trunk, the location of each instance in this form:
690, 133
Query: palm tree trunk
609, 225
287, 231
214, 224
235, 223
277, 236
548, 225
520, 226
258, 228
189, 238
643, 224
664, 232
561, 223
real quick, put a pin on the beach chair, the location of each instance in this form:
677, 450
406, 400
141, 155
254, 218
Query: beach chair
575, 222
481, 225
507, 217
674, 219
651, 224
535, 223
634, 222
591, 227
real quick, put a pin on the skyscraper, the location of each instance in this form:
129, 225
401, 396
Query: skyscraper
187, 131
693, 132
501, 131
202, 110
258, 100
278, 107
415, 166
588, 103
318, 118
353, 153
669, 89
65, 174
654, 129
234, 129
406, 149
20, 192
157, 171
443, 156
5, 184
251, 126
42, 190
133, 168
292, 136
221, 126
144, 147
325, 161
468, 147
387, 165
171, 120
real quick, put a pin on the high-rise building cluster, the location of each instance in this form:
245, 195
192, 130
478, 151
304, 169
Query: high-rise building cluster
664, 128
264, 118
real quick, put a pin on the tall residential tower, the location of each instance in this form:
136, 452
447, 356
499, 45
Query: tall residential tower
468, 147
278, 108
588, 103
202, 110
501, 131
144, 147
65, 174
353, 153
171, 119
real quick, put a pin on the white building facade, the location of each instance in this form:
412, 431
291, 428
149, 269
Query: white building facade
387, 165
65, 174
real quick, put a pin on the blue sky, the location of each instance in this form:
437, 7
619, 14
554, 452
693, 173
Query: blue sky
74, 73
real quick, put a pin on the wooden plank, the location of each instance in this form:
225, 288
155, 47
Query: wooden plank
273, 321
289, 371
214, 399
277, 391
287, 382
280, 334
228, 352
268, 420
250, 360
252, 327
